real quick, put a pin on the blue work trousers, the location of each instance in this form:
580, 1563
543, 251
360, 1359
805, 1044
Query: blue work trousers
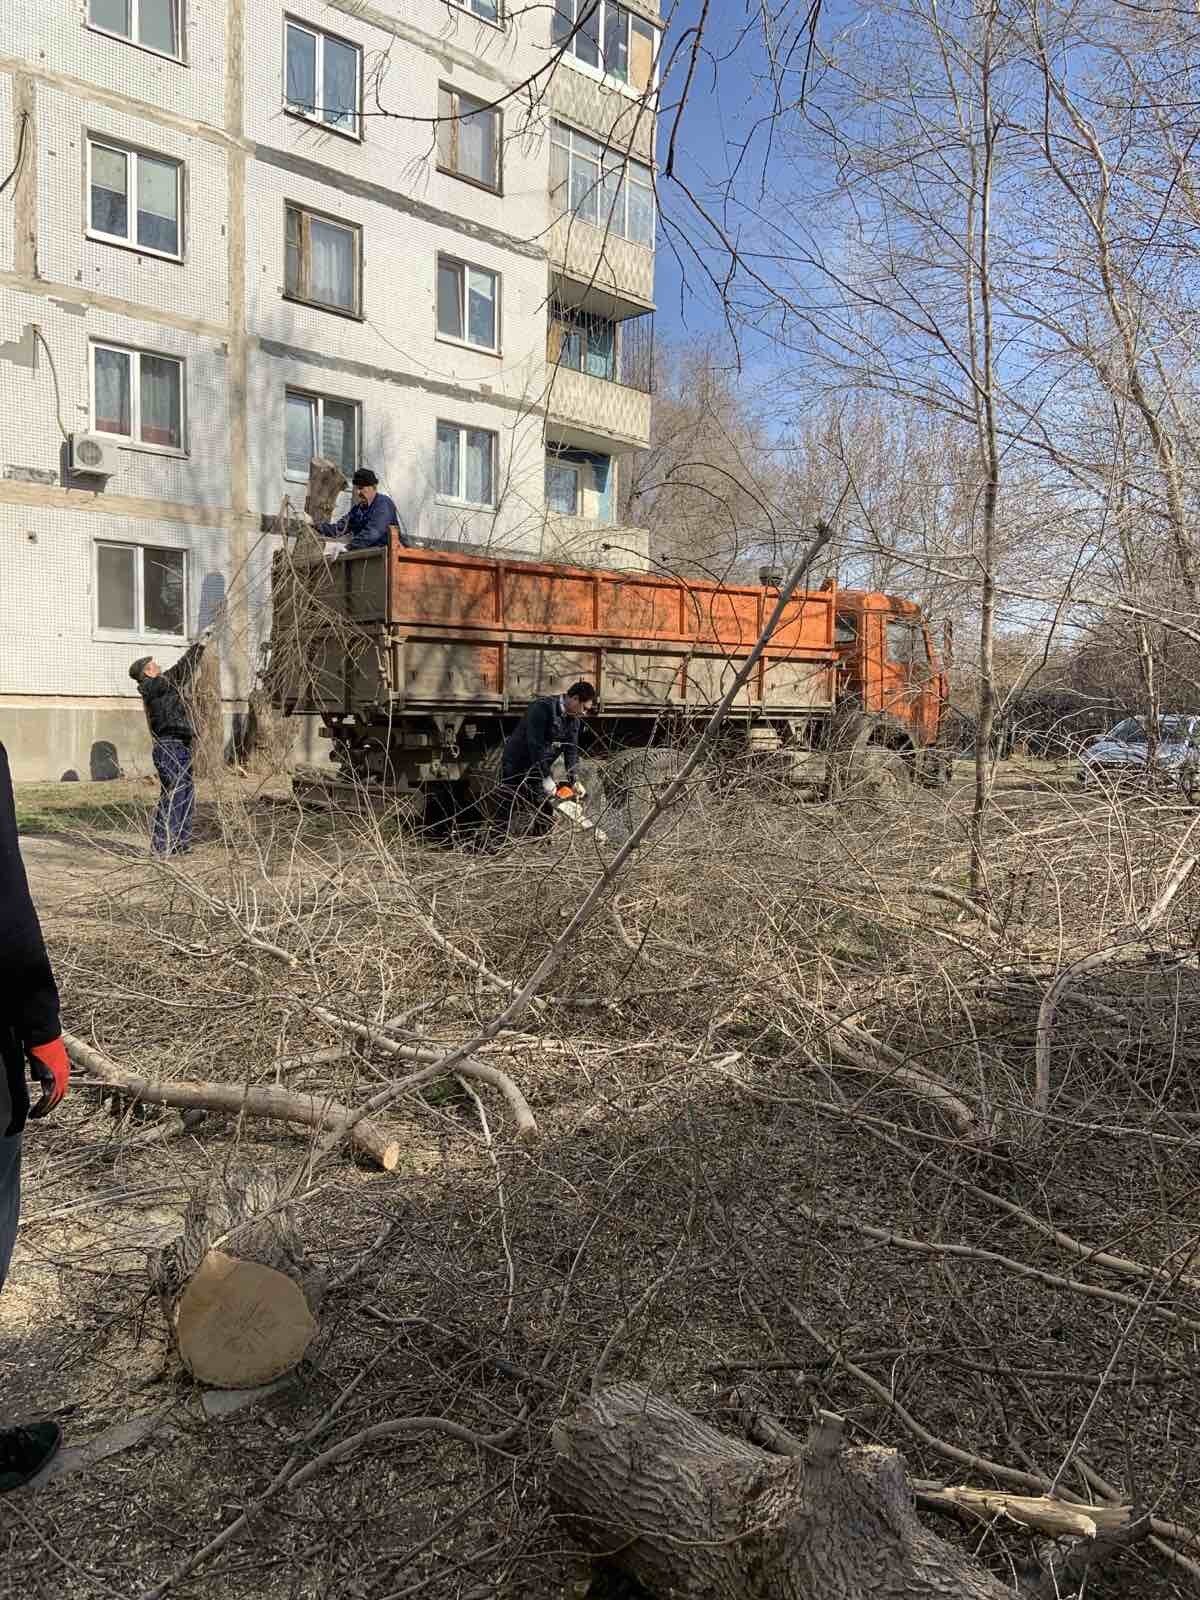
177, 801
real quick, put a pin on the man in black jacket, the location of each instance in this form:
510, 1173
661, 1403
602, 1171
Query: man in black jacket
549, 727
30, 1042
172, 732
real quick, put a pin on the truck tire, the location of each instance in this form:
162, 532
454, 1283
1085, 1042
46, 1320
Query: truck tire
863, 765
634, 781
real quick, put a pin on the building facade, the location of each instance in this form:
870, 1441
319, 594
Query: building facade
416, 234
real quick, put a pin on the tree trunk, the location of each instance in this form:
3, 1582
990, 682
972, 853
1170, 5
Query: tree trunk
238, 1294
690, 1513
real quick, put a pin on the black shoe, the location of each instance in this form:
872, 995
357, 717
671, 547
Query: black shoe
25, 1451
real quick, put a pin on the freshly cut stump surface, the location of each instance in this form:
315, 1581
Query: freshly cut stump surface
239, 1324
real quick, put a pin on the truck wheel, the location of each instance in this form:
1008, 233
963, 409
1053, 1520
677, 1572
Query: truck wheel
634, 780
872, 772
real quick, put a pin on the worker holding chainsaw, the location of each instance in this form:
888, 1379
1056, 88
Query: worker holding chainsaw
31, 1046
549, 728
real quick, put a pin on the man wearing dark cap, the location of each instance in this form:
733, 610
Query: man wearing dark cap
31, 1043
171, 731
370, 519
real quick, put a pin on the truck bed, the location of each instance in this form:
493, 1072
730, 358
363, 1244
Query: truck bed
430, 630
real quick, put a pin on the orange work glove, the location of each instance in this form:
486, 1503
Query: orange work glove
51, 1066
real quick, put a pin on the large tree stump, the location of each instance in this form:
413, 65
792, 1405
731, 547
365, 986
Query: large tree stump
691, 1513
238, 1293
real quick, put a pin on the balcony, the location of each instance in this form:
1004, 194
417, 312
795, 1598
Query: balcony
601, 379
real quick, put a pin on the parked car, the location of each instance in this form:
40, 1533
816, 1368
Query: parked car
1123, 754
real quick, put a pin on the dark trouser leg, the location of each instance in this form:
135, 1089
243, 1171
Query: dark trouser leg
526, 809
177, 797
10, 1180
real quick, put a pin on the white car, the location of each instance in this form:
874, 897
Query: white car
1123, 754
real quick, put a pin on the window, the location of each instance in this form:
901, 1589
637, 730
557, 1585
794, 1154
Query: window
583, 342
322, 261
468, 138
466, 464
468, 304
323, 75
845, 628
141, 589
134, 198
608, 37
317, 425
903, 644
489, 10
599, 185
579, 484
153, 23
138, 396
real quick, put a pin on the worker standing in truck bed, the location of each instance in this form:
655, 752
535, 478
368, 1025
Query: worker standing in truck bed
369, 520
550, 727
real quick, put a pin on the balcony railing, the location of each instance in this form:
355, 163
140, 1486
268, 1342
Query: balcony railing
599, 347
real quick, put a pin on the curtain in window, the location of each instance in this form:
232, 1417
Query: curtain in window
113, 409
158, 205
478, 487
449, 299
341, 84
562, 488
331, 264
601, 347
157, 18
301, 70
110, 191
481, 308
477, 146
162, 402
163, 590
339, 424
300, 432
616, 42
116, 587
447, 461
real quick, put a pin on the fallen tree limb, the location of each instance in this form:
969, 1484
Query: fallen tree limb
238, 1100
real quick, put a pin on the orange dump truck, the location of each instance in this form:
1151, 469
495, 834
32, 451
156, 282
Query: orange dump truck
420, 662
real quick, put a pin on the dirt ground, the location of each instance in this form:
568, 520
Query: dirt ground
662, 1226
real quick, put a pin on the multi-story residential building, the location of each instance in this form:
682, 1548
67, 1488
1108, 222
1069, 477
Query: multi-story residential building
417, 234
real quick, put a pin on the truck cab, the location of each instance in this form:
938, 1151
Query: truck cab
889, 669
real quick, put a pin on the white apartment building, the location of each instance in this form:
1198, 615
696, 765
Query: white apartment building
415, 234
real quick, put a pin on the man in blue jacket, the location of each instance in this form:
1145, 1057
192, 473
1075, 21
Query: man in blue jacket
550, 727
31, 1043
369, 520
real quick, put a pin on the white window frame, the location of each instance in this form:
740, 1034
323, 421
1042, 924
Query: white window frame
498, 21
458, 499
610, 160
455, 118
315, 117
464, 266
139, 630
133, 440
568, 54
352, 228
135, 9
133, 155
576, 471
302, 393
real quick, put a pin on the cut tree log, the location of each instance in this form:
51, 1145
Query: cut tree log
689, 1512
239, 1100
239, 1295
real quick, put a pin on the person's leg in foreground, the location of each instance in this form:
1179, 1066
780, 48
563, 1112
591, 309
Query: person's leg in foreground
177, 797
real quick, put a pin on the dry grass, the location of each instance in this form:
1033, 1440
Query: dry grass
708, 1138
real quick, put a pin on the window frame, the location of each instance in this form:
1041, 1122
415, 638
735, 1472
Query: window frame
315, 118
465, 266
609, 160
566, 52
179, 7
579, 461
133, 439
499, 21
139, 630
458, 500
299, 390
576, 470
454, 120
133, 154
356, 232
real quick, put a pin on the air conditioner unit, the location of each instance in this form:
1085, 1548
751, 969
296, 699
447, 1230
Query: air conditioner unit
93, 454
